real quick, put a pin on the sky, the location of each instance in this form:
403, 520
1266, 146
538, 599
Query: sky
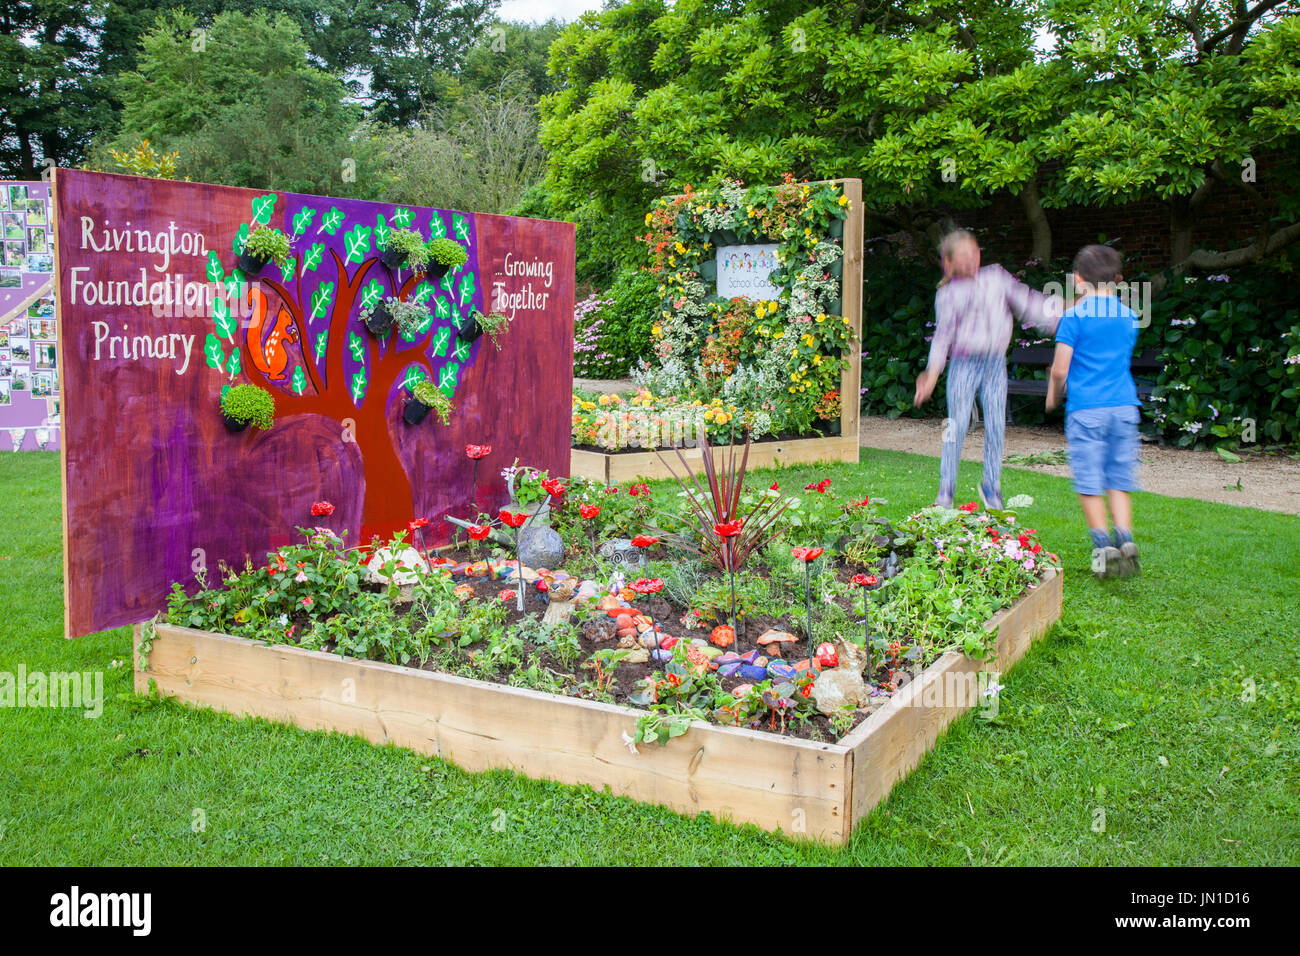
539, 11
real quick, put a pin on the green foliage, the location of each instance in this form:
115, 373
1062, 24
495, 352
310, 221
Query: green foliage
411, 243
447, 252
494, 325
240, 102
266, 242
436, 398
249, 403
611, 329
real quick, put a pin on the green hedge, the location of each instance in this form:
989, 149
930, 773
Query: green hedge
612, 328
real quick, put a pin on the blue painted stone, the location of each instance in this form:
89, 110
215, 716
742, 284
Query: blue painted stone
779, 670
729, 657
750, 657
751, 672
662, 655
727, 670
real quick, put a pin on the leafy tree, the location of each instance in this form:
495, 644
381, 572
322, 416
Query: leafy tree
483, 154
241, 105
51, 99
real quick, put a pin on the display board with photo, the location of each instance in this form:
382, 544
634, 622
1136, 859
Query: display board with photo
29, 378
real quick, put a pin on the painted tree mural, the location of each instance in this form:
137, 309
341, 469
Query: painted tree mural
303, 338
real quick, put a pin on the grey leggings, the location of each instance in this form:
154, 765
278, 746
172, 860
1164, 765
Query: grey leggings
987, 375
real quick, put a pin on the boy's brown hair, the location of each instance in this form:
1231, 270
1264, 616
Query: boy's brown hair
1098, 264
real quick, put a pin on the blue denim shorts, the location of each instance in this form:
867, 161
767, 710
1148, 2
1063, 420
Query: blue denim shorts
1103, 447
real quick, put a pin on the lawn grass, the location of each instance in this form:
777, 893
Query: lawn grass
1132, 706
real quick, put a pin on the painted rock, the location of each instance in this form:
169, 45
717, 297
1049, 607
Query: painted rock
773, 636
479, 569
752, 672
638, 656
459, 569
750, 657
711, 652
561, 575
834, 690
667, 642
408, 566
723, 635
650, 639
463, 592
728, 657
780, 670
628, 641
826, 656
742, 690
729, 670
540, 547
507, 595
662, 655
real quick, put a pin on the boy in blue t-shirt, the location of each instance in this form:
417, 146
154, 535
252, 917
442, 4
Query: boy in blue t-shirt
1094, 345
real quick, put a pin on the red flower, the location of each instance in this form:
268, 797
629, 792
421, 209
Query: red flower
418, 523
969, 507
513, 520
728, 529
864, 502
307, 602
644, 541
319, 508
865, 580
554, 487
806, 690
475, 452
820, 487
775, 486
806, 554
612, 490
588, 511
478, 532
642, 489
648, 585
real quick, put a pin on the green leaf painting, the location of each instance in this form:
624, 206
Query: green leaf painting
289, 267
447, 376
238, 244
232, 364
235, 285
356, 347
263, 206
215, 272
461, 227
331, 221
223, 319
437, 228
442, 307
466, 287
321, 299
441, 340
299, 379
322, 341
302, 219
357, 243
381, 231
371, 294
401, 217
461, 352
312, 257
414, 376
422, 293
213, 353
359, 386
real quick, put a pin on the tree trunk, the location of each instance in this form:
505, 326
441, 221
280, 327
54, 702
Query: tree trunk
1040, 228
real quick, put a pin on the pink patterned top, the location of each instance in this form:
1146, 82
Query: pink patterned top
974, 316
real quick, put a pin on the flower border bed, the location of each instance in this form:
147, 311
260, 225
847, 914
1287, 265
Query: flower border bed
805, 789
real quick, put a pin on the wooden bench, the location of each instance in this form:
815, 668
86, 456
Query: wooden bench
1142, 366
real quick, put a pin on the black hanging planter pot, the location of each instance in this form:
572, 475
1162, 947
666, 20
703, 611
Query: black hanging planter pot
233, 425
393, 258
836, 307
709, 270
836, 230
415, 411
726, 237
250, 265
836, 268
379, 320
468, 330
436, 270
832, 427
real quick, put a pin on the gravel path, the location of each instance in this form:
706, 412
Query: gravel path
1269, 482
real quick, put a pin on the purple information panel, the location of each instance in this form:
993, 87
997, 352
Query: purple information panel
157, 317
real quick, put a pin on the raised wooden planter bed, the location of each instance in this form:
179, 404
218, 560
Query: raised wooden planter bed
626, 466
804, 789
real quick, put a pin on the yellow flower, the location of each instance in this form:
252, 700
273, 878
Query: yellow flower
649, 217
657, 331
821, 317
817, 360
807, 232
843, 200
672, 260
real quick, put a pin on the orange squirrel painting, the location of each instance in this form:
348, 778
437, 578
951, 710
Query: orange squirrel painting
270, 358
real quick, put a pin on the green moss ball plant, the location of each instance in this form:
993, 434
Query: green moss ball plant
243, 405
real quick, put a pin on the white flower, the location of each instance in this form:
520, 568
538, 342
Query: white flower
629, 743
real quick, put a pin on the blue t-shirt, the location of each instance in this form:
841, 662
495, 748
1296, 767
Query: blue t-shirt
1102, 331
